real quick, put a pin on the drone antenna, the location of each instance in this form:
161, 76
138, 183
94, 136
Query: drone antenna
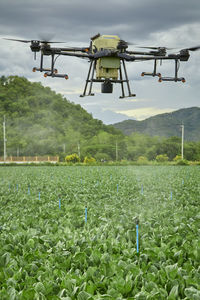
95, 36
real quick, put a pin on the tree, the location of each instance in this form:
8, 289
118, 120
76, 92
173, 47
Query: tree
171, 147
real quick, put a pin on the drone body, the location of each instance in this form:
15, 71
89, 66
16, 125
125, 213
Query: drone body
107, 55
106, 67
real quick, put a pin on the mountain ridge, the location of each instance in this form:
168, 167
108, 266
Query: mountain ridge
166, 125
40, 121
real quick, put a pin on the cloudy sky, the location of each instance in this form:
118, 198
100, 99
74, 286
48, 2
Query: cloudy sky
171, 23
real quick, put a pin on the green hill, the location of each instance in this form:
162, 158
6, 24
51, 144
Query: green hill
39, 121
166, 125
42, 122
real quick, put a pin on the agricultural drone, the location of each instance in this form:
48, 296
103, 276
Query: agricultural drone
107, 55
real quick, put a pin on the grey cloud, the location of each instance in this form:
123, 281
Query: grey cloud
77, 20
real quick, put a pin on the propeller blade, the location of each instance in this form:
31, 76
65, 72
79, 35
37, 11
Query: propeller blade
47, 37
153, 48
49, 42
22, 41
29, 41
193, 48
157, 48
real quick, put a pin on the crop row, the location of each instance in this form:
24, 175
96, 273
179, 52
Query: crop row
48, 251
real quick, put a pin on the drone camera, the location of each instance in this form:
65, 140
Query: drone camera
107, 87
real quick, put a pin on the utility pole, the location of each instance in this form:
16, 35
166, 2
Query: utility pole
4, 138
116, 151
64, 148
182, 140
79, 150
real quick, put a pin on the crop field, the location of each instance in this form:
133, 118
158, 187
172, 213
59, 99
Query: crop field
70, 233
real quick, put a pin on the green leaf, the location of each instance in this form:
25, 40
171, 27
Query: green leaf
141, 296
39, 287
84, 296
27, 294
174, 293
90, 287
12, 293
79, 257
4, 259
192, 293
131, 235
171, 271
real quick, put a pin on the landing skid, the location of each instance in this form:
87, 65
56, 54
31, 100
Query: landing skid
90, 80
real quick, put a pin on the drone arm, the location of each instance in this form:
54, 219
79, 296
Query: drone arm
65, 53
129, 57
126, 57
169, 57
143, 53
75, 49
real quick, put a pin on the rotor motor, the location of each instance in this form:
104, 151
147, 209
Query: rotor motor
35, 46
184, 55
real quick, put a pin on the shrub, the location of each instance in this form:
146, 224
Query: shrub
89, 160
183, 162
72, 158
177, 158
162, 158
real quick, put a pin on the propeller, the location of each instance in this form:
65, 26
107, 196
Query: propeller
35, 44
192, 48
22, 41
32, 41
166, 48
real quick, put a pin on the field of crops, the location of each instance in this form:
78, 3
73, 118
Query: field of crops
50, 248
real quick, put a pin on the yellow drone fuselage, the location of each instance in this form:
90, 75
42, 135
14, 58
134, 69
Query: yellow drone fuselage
106, 67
